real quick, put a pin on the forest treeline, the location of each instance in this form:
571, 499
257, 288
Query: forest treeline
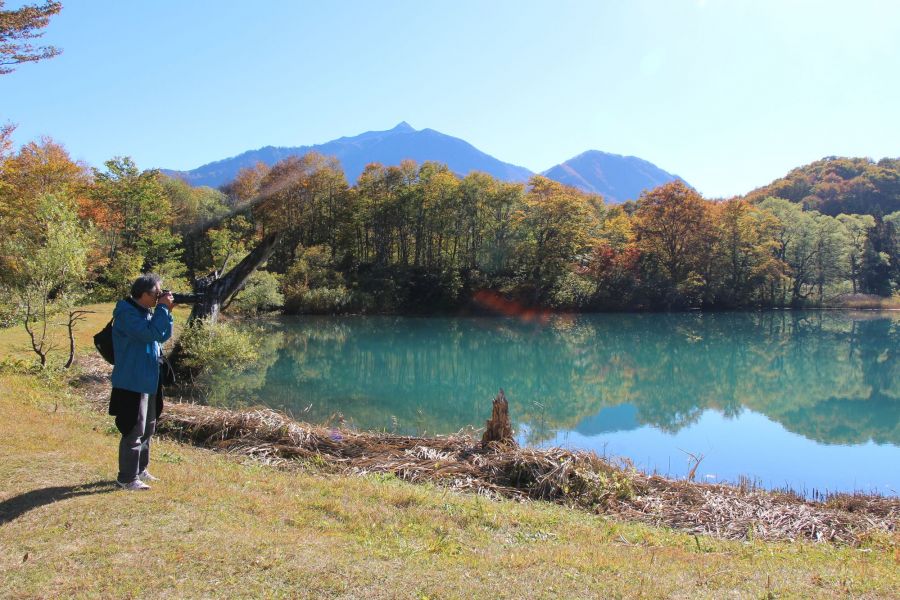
418, 238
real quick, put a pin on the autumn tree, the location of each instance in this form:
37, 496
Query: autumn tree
193, 207
613, 262
298, 197
498, 230
558, 226
837, 185
133, 216
245, 188
6, 143
437, 196
287, 204
745, 263
34, 171
20, 25
212, 234
672, 225
378, 196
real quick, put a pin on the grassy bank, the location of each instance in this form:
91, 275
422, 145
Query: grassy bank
226, 525
864, 302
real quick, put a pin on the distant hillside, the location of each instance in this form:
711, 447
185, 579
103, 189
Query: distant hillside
837, 185
386, 147
617, 178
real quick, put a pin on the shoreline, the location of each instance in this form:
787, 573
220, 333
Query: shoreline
235, 525
573, 478
577, 479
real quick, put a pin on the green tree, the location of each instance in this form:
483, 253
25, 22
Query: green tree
140, 207
812, 245
891, 250
51, 270
745, 264
133, 215
857, 229
831, 263
498, 232
259, 294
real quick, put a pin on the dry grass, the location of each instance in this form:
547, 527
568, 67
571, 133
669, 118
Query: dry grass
865, 302
572, 478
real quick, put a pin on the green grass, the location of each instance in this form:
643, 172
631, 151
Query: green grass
16, 345
227, 527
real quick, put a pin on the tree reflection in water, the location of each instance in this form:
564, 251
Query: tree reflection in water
833, 377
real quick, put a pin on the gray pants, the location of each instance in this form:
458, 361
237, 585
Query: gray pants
134, 448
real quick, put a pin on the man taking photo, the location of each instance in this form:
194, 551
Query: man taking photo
141, 323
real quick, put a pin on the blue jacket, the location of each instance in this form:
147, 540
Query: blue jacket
137, 335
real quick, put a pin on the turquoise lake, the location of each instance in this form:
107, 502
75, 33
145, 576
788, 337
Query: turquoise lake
808, 400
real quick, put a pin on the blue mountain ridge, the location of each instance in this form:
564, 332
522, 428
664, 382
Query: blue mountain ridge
615, 177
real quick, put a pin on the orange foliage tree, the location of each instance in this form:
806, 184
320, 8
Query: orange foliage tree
673, 226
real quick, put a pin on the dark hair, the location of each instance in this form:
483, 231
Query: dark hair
144, 283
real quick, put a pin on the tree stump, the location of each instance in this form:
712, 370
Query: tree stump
498, 429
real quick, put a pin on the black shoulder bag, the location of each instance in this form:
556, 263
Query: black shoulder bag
103, 340
104, 344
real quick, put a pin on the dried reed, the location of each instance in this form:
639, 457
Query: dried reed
574, 478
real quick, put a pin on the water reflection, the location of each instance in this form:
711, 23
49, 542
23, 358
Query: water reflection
832, 377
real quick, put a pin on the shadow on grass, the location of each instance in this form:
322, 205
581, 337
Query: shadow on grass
15, 507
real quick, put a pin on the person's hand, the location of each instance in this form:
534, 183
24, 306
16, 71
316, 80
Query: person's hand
168, 299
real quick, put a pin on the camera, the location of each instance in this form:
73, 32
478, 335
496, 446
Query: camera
183, 298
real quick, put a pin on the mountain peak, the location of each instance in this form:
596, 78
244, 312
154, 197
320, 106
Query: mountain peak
354, 153
403, 127
616, 177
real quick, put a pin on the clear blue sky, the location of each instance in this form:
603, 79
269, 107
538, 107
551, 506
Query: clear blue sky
727, 94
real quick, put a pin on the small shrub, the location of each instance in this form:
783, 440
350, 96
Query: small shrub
260, 294
19, 366
319, 301
573, 291
205, 344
